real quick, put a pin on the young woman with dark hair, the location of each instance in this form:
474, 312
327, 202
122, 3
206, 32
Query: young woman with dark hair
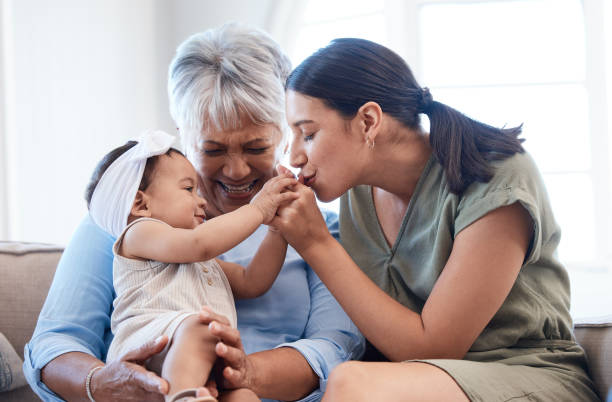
447, 256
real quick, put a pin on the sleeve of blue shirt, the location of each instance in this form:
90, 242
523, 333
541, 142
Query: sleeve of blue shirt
330, 337
76, 313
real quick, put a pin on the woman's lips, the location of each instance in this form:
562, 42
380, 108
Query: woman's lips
309, 180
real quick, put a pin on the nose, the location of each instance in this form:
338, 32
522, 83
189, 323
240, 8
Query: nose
297, 156
236, 167
202, 203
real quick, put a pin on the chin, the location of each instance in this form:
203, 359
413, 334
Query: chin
325, 196
229, 205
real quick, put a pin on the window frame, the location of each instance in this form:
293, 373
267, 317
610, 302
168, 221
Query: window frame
403, 27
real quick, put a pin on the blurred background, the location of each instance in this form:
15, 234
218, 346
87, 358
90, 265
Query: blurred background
78, 78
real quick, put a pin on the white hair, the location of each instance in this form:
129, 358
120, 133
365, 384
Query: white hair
220, 76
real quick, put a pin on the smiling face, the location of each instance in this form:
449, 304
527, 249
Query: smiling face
326, 148
172, 194
233, 165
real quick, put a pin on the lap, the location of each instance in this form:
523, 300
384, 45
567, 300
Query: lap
496, 381
456, 380
383, 381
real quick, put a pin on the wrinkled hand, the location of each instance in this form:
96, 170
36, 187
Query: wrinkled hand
126, 379
274, 192
237, 371
300, 221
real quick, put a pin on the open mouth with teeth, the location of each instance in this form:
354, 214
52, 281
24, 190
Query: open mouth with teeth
238, 190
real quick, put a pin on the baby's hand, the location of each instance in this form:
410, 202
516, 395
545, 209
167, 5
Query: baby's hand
276, 191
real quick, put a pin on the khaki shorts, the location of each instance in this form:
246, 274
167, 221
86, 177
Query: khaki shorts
522, 374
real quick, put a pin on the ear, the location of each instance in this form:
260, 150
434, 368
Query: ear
370, 119
140, 207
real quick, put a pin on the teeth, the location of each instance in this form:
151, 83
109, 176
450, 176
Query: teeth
237, 189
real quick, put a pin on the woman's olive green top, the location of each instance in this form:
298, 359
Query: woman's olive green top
527, 351
536, 312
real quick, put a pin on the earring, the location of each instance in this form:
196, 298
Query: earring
370, 143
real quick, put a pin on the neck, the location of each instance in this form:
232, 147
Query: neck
399, 163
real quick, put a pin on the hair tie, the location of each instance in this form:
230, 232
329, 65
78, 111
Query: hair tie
425, 101
111, 201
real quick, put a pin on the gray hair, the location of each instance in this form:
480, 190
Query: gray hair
219, 76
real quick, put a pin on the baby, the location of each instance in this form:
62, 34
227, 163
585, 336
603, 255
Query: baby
145, 194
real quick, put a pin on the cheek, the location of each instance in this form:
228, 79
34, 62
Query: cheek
263, 164
208, 166
312, 151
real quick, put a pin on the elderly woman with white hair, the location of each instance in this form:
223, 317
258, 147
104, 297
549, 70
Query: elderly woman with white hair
226, 90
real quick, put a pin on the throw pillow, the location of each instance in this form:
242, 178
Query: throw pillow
11, 373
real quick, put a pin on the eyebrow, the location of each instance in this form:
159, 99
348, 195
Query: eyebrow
300, 122
220, 144
189, 179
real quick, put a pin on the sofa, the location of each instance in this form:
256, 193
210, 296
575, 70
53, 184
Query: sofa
26, 272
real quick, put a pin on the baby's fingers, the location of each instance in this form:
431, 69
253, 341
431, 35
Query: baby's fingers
287, 196
282, 170
283, 182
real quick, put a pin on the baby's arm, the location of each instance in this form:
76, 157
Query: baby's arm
161, 242
262, 271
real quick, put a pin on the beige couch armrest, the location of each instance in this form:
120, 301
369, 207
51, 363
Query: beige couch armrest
595, 336
26, 272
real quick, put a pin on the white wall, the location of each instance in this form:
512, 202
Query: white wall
3, 144
79, 78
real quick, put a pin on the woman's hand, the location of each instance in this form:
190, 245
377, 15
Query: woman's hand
126, 379
301, 222
274, 192
280, 373
237, 371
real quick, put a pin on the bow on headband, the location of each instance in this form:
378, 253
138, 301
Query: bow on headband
114, 195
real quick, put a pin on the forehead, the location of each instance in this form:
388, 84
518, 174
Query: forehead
174, 165
249, 132
303, 109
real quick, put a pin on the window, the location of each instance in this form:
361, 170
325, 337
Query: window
540, 63
325, 20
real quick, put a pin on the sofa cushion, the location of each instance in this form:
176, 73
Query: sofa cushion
595, 336
26, 270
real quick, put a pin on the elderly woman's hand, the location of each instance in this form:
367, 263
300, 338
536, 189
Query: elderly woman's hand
301, 222
126, 379
237, 370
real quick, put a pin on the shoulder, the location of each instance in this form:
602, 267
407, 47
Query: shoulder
517, 173
516, 179
137, 231
518, 165
89, 246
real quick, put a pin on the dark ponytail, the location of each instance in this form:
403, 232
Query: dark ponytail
351, 72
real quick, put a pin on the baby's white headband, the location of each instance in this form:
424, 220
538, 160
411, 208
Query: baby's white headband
112, 200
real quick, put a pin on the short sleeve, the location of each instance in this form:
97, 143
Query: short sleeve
76, 313
516, 179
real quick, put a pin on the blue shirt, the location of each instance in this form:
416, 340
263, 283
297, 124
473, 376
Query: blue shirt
297, 312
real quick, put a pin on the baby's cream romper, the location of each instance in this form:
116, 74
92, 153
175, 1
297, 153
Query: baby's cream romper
154, 297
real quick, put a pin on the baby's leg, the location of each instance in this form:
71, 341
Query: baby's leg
239, 395
190, 357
